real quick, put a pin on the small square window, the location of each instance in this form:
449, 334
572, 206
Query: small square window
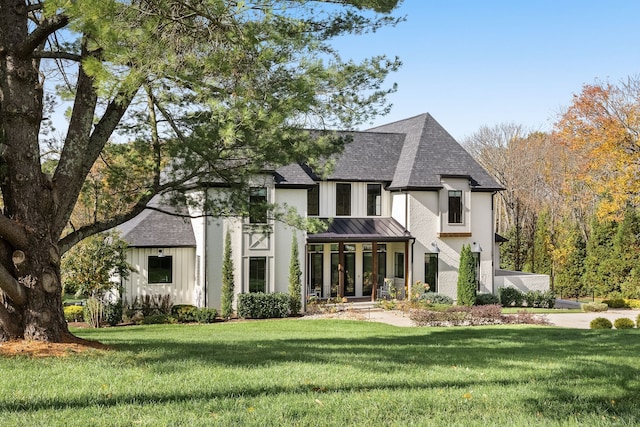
160, 269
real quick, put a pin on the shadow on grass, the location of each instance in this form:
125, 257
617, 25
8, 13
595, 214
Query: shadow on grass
604, 361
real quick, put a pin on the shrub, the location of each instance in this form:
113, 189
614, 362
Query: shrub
295, 287
156, 319
616, 303
633, 303
458, 315
206, 315
184, 313
466, 278
487, 299
228, 281
510, 297
259, 305
600, 323
593, 307
432, 298
539, 299
112, 312
623, 323
149, 305
74, 313
93, 312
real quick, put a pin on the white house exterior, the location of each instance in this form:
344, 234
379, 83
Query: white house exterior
400, 202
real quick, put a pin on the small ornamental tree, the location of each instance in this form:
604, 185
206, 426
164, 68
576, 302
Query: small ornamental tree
228, 285
466, 278
295, 288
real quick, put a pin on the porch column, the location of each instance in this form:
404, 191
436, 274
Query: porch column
406, 269
340, 270
374, 267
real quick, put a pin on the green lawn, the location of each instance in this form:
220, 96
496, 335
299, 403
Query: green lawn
331, 372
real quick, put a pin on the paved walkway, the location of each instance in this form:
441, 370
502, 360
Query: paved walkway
367, 312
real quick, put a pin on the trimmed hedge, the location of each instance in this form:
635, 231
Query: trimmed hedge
510, 297
259, 305
616, 303
600, 323
487, 299
206, 315
431, 298
74, 313
594, 307
623, 323
185, 313
539, 299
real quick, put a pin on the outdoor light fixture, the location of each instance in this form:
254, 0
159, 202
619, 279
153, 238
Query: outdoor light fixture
434, 248
475, 248
160, 253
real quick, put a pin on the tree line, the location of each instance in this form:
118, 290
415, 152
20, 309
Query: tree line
570, 205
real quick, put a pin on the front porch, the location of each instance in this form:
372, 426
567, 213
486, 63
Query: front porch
361, 259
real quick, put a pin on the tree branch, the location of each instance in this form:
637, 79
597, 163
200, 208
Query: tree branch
12, 232
11, 287
47, 54
40, 34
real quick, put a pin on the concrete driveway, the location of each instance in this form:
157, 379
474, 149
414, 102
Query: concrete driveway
582, 320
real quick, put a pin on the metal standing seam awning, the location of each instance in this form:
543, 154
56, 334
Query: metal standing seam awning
361, 230
374, 230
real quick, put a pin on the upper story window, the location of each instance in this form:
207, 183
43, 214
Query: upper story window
343, 199
258, 205
455, 207
313, 201
374, 199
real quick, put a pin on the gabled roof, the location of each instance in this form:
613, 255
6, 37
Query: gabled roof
152, 228
414, 153
361, 230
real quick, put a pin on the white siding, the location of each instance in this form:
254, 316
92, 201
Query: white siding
182, 285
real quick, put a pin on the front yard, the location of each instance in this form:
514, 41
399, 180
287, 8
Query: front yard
330, 372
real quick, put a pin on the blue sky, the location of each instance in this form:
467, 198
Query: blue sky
472, 63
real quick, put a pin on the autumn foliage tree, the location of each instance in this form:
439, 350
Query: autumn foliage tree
211, 90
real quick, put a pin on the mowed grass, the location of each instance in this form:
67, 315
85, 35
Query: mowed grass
330, 372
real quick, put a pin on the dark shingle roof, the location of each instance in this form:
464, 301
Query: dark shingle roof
414, 153
362, 230
158, 229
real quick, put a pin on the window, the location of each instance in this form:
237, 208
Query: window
313, 201
258, 205
455, 207
348, 268
316, 270
257, 274
374, 196
343, 199
398, 258
367, 267
160, 269
431, 271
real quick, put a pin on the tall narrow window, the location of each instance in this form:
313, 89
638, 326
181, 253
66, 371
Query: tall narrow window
431, 271
316, 270
374, 196
476, 260
399, 265
258, 205
343, 199
257, 274
160, 269
455, 207
313, 201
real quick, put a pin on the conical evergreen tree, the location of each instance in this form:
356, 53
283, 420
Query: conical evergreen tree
228, 281
466, 278
295, 288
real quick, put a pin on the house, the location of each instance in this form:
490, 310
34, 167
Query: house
400, 203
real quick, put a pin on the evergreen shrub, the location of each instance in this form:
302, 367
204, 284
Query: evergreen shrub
593, 307
258, 305
600, 323
184, 313
616, 303
156, 319
487, 299
623, 323
539, 299
510, 297
206, 315
433, 298
74, 313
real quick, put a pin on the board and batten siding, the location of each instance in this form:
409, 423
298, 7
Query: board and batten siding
182, 286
